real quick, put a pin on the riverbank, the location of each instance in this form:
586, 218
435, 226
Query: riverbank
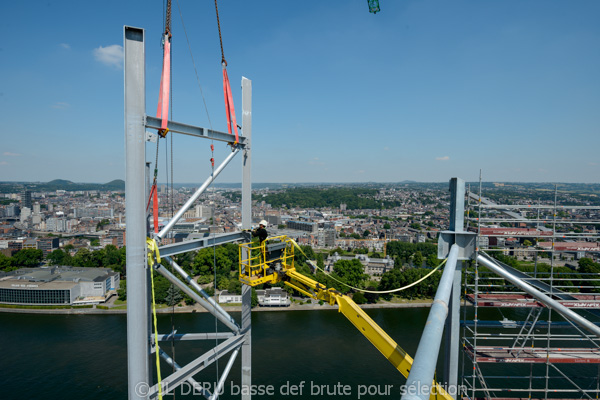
233, 308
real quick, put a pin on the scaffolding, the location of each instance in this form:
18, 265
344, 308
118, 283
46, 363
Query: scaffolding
551, 342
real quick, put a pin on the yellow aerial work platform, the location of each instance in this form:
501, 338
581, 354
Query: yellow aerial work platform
272, 261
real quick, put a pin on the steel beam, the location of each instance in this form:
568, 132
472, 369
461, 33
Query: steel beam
199, 289
225, 374
186, 289
138, 347
197, 244
167, 337
154, 123
420, 378
541, 297
452, 325
195, 385
197, 194
246, 224
171, 382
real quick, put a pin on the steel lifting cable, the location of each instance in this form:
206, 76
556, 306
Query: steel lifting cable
229, 108
212, 162
364, 290
194, 64
171, 193
162, 112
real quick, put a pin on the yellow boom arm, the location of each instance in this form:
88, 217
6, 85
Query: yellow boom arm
281, 269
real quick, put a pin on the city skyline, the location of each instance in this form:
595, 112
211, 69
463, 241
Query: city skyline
421, 91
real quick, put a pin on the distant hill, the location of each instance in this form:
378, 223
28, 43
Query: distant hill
117, 184
61, 184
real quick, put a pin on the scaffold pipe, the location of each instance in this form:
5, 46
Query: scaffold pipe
420, 379
546, 300
195, 196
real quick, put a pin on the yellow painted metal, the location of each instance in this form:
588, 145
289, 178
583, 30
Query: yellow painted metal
255, 270
258, 267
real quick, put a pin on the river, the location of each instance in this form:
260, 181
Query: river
295, 354
85, 357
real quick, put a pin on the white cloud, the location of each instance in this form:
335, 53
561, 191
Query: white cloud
386, 148
3, 163
110, 55
593, 164
316, 161
8, 153
61, 105
65, 46
445, 158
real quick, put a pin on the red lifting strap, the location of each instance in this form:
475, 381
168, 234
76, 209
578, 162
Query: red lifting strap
162, 111
229, 109
154, 199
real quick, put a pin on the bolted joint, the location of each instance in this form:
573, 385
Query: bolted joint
464, 240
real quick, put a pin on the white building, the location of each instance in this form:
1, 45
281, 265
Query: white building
226, 297
273, 297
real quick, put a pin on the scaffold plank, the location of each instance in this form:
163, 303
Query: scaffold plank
521, 300
494, 354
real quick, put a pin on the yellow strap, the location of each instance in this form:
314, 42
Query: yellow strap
154, 256
370, 291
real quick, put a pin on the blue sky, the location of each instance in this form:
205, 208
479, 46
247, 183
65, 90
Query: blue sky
424, 90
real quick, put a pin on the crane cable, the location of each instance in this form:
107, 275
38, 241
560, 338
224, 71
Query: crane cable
364, 290
162, 112
229, 108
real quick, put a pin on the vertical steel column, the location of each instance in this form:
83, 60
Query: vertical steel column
420, 379
246, 224
135, 158
452, 328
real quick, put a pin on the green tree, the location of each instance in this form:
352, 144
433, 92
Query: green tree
359, 298
203, 263
387, 226
366, 233
84, 258
235, 287
5, 263
59, 257
254, 298
415, 225
350, 271
27, 258
527, 243
173, 295
222, 282
122, 290
418, 259
432, 261
371, 297
320, 261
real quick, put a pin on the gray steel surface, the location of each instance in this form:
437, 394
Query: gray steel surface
137, 288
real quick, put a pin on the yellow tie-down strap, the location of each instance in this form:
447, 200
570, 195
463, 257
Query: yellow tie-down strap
154, 257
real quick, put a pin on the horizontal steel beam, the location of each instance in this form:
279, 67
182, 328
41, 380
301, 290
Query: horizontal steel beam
533, 206
177, 378
197, 244
154, 123
167, 337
